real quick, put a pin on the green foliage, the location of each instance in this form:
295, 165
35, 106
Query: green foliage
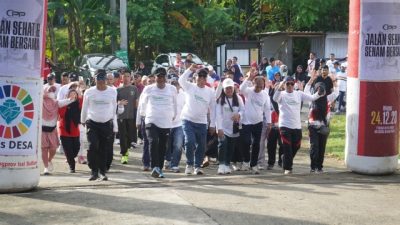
83, 26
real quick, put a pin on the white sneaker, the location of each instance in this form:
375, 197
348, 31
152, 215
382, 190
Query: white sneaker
46, 171
261, 167
198, 171
51, 167
167, 165
221, 169
189, 170
228, 169
246, 166
236, 167
175, 169
254, 170
287, 172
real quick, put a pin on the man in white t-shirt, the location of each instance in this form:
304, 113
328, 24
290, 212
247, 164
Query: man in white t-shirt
310, 63
98, 114
159, 107
341, 78
199, 100
331, 61
64, 86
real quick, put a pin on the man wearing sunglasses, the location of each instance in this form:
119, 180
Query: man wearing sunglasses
289, 102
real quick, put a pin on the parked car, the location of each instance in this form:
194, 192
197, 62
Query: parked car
87, 65
168, 59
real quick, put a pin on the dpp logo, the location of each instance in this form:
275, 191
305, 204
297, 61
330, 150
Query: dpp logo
16, 111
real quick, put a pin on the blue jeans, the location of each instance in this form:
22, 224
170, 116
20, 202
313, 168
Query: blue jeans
195, 142
146, 151
175, 144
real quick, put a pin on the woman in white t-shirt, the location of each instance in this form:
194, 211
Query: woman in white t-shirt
228, 113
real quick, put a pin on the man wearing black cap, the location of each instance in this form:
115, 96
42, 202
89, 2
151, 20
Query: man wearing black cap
200, 100
159, 107
289, 102
99, 115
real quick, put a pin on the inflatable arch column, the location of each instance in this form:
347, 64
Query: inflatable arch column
22, 44
373, 94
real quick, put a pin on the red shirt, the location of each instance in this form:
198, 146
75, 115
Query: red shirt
74, 129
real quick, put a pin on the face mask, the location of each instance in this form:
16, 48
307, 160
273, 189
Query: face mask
51, 95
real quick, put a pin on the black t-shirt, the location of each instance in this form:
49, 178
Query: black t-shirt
319, 107
328, 83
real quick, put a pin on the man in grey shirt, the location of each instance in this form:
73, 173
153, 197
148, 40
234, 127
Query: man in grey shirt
127, 120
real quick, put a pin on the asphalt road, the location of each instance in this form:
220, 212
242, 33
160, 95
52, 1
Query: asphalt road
134, 197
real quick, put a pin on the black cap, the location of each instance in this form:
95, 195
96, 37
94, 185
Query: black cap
101, 74
160, 72
289, 79
73, 76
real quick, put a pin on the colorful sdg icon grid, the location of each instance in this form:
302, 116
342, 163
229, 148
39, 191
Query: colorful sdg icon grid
15, 93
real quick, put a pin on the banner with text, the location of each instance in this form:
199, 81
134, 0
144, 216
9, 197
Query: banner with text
380, 41
21, 37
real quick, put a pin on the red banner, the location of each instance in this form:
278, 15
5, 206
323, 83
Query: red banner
379, 119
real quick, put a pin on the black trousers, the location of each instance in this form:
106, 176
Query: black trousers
212, 146
158, 139
317, 148
251, 135
274, 139
237, 156
291, 142
110, 152
127, 133
99, 136
71, 147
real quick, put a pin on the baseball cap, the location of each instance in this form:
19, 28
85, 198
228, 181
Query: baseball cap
289, 79
210, 68
160, 72
73, 76
101, 74
228, 83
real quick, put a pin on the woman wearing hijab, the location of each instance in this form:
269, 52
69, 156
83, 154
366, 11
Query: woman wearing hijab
50, 140
69, 127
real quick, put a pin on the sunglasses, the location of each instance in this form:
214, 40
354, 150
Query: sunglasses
289, 83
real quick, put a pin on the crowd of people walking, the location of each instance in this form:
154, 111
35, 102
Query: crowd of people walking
189, 109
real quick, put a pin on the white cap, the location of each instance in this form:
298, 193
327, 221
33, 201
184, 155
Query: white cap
210, 68
228, 83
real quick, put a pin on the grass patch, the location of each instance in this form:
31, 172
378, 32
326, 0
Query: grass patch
337, 137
